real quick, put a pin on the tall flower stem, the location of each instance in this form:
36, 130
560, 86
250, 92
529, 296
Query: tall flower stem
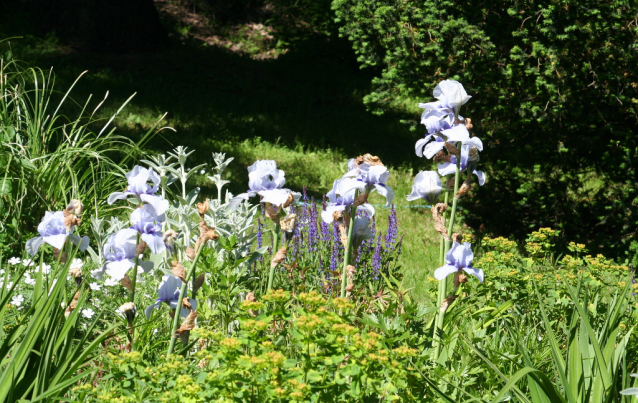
348, 252
182, 292
131, 294
442, 241
275, 248
438, 327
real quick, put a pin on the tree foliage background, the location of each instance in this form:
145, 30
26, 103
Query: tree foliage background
554, 100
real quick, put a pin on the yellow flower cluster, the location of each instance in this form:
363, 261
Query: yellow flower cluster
499, 243
203, 333
342, 304
405, 351
577, 247
254, 325
308, 322
311, 298
254, 305
125, 358
230, 343
344, 329
601, 263
276, 296
571, 262
511, 272
533, 248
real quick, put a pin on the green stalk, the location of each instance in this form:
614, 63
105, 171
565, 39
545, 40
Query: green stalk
348, 252
178, 308
443, 283
131, 295
275, 247
442, 241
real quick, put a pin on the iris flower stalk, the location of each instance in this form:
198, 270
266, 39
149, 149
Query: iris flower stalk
348, 251
182, 292
276, 233
438, 325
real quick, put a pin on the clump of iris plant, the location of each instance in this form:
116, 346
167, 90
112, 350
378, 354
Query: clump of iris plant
125, 249
266, 181
349, 195
449, 143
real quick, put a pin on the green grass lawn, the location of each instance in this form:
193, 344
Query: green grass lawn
303, 109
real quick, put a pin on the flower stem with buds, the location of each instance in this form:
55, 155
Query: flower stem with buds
182, 292
438, 326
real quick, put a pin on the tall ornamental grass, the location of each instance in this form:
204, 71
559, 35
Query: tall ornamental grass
53, 149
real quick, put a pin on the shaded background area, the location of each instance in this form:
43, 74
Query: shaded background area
222, 76
273, 79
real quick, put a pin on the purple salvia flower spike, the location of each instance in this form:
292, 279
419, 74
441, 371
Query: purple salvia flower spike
376, 257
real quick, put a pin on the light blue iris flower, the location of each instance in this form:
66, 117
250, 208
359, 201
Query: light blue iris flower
459, 258
53, 232
140, 188
168, 292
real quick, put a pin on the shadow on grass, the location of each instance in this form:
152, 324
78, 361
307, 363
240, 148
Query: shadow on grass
309, 99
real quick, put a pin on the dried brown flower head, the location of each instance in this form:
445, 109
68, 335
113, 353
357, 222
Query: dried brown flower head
170, 235
127, 283
271, 213
370, 159
141, 247
279, 257
439, 220
289, 200
75, 272
202, 208
75, 207
190, 253
288, 222
72, 305
361, 200
178, 270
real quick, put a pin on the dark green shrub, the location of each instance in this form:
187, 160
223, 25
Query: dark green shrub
554, 89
